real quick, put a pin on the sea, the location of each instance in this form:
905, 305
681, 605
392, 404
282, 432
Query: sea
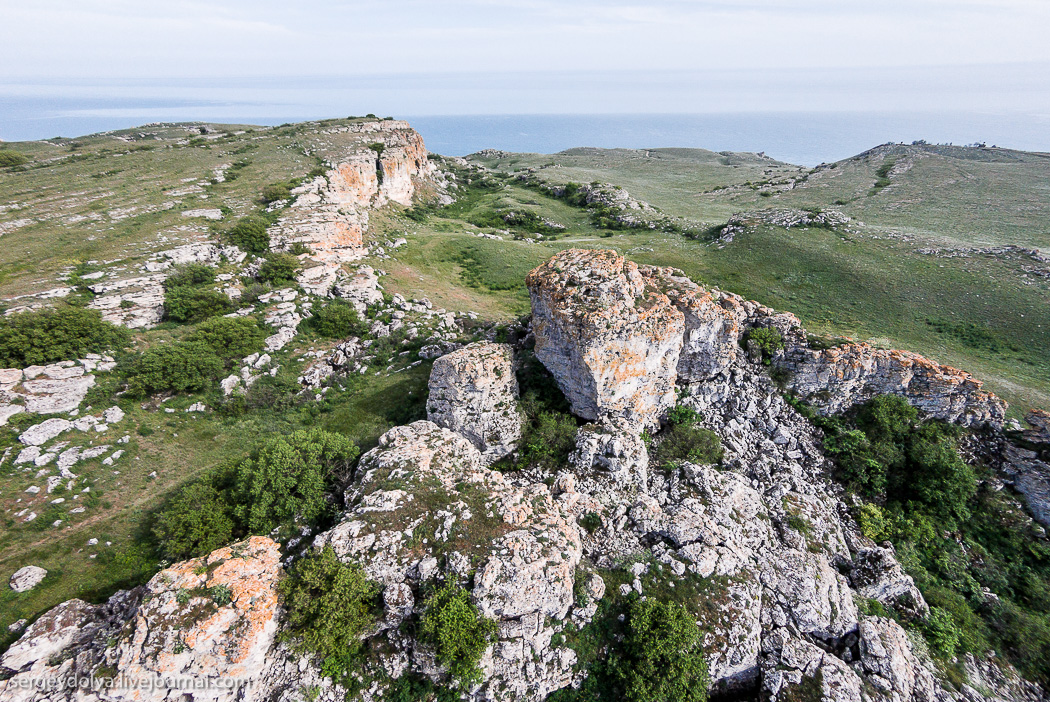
802, 138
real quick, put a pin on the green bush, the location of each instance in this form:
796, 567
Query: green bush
33, 338
854, 455
190, 305
660, 659
190, 275
279, 269
458, 632
683, 414
872, 522
329, 606
337, 320
938, 477
249, 234
275, 192
941, 632
196, 522
285, 481
12, 158
768, 339
230, 337
183, 367
687, 443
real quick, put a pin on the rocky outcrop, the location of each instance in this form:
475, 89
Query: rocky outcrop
611, 342
207, 622
615, 449
51, 389
474, 392
877, 575
424, 507
370, 164
835, 379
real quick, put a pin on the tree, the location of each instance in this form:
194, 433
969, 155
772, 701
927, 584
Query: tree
196, 522
279, 269
286, 480
458, 632
230, 337
32, 338
194, 304
249, 234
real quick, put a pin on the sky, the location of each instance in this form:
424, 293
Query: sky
431, 57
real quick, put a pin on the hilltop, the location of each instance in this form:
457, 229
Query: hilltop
524, 426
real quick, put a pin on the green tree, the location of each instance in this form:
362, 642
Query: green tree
31, 338
190, 275
330, 605
938, 476
286, 480
183, 367
337, 320
459, 633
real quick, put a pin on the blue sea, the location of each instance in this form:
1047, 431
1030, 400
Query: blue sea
804, 138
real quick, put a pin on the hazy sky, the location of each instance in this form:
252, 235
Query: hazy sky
489, 56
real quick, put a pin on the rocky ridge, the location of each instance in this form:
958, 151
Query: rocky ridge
766, 537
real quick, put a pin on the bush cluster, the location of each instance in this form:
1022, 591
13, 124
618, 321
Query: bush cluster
33, 338
187, 297
458, 632
189, 366
330, 605
230, 338
249, 234
768, 339
286, 483
337, 320
12, 158
279, 269
660, 658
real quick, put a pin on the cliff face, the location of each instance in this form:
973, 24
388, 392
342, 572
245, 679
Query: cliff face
370, 164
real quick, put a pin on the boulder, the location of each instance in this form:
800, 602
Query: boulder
40, 434
611, 342
27, 577
615, 449
889, 663
474, 392
878, 576
49, 635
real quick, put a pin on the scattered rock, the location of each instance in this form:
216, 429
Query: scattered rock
27, 577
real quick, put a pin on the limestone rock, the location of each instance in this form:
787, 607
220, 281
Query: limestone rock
890, 665
27, 577
474, 392
611, 343
877, 575
40, 434
835, 379
796, 669
49, 635
615, 449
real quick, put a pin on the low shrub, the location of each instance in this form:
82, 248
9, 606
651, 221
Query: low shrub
767, 338
183, 367
548, 440
279, 269
660, 658
458, 632
329, 605
190, 275
249, 234
189, 305
686, 441
33, 338
12, 158
275, 192
286, 481
337, 320
230, 337
941, 632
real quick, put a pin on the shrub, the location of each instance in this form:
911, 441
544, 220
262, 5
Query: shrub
548, 440
768, 339
249, 234
230, 337
872, 522
279, 269
941, 632
285, 481
660, 659
275, 192
183, 367
337, 320
688, 443
457, 630
683, 414
196, 522
33, 338
938, 476
190, 275
11, 158
329, 605
189, 305
854, 455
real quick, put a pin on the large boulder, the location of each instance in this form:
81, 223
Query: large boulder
26, 578
474, 392
878, 576
611, 342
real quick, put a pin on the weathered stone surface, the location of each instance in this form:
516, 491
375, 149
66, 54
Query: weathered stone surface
474, 392
361, 289
423, 479
48, 429
27, 577
48, 636
611, 343
795, 669
835, 379
889, 663
616, 449
1031, 478
878, 576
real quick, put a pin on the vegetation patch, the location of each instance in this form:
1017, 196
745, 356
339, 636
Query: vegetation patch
458, 631
33, 338
686, 441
